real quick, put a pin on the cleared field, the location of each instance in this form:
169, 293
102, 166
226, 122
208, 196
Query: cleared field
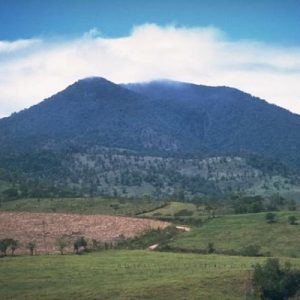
45, 228
237, 231
127, 275
111, 206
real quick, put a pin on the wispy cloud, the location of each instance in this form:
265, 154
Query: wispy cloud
10, 47
32, 70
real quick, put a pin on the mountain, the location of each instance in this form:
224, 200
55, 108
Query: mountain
159, 138
222, 119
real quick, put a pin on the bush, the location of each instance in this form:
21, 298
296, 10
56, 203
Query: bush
4, 244
210, 248
80, 243
183, 212
275, 283
293, 220
270, 217
251, 250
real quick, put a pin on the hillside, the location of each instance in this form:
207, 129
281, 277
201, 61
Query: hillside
236, 232
160, 138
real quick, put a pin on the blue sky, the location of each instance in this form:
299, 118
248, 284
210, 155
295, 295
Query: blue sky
250, 45
276, 21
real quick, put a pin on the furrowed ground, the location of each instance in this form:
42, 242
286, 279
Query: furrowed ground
45, 228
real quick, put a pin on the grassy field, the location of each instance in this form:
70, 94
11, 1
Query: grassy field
126, 275
178, 210
237, 231
111, 206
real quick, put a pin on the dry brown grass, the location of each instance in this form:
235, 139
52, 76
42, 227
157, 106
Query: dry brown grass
45, 228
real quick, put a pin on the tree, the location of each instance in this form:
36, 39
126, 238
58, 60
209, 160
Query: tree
80, 242
211, 248
275, 283
4, 245
31, 246
14, 244
270, 217
62, 242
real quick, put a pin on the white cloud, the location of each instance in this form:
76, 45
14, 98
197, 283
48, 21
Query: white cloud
198, 55
9, 47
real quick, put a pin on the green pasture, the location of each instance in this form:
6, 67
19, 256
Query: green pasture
116, 274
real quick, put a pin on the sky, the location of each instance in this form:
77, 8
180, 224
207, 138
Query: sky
250, 45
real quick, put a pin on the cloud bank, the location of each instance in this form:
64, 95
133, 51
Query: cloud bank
34, 69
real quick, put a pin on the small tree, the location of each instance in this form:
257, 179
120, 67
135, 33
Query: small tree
211, 248
4, 245
80, 242
275, 283
293, 220
62, 242
14, 244
31, 246
270, 217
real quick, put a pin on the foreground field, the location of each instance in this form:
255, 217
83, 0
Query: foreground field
127, 275
45, 228
233, 232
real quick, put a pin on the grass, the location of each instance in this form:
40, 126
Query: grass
237, 231
111, 206
174, 208
126, 275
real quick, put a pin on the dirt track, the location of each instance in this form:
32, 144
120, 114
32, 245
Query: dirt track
45, 228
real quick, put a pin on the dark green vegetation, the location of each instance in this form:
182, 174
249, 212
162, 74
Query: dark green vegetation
109, 206
276, 283
127, 275
161, 139
8, 244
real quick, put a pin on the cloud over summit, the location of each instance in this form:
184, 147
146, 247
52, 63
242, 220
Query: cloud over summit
32, 70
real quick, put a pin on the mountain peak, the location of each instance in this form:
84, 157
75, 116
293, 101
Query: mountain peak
92, 81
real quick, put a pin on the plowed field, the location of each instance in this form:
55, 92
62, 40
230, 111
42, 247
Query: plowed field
45, 228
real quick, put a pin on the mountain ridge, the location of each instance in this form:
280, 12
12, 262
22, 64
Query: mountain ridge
163, 119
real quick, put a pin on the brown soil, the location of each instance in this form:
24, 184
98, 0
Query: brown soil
45, 228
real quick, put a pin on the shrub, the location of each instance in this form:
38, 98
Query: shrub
80, 243
210, 248
293, 220
183, 212
270, 217
275, 283
3, 246
251, 250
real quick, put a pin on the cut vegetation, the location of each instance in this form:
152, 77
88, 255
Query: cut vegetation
44, 229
